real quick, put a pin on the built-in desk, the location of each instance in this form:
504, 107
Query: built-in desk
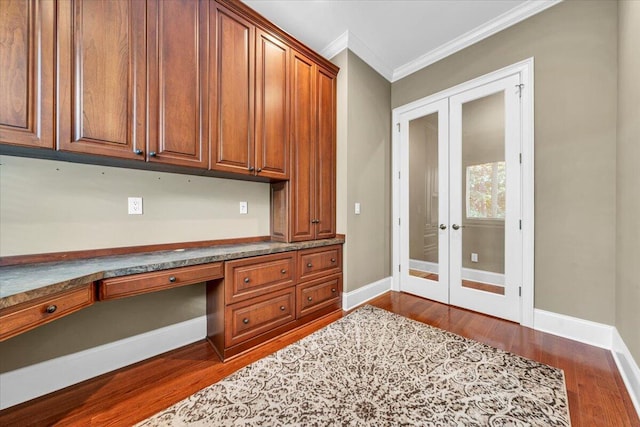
35, 294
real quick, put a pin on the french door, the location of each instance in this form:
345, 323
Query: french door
460, 199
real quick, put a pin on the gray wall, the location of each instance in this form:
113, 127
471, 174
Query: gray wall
628, 174
574, 45
364, 135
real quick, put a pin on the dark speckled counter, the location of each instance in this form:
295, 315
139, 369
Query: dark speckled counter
27, 282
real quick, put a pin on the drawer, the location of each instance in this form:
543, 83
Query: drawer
126, 286
319, 262
16, 320
251, 277
318, 294
251, 318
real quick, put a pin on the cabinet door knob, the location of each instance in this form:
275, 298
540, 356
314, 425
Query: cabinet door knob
333, 260
172, 279
245, 320
309, 299
309, 265
259, 170
138, 151
251, 168
246, 280
283, 271
333, 290
282, 308
51, 309
152, 153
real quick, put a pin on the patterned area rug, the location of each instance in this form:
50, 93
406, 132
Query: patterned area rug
376, 368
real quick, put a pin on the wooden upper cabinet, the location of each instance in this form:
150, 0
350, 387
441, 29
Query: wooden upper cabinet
178, 60
251, 99
232, 92
27, 72
272, 107
101, 87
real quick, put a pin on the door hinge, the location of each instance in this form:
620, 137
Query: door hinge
519, 291
520, 224
398, 174
520, 158
398, 125
399, 268
398, 221
520, 88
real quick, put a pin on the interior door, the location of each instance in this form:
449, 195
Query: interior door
460, 184
485, 180
425, 202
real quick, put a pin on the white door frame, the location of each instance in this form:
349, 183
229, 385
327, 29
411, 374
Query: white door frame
525, 69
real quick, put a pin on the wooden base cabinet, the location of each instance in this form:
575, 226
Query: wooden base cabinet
261, 297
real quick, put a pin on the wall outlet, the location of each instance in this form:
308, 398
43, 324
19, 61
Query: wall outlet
357, 208
244, 208
135, 205
474, 257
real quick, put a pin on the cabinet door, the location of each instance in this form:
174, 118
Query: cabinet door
178, 82
232, 92
272, 107
303, 125
101, 77
26, 79
326, 156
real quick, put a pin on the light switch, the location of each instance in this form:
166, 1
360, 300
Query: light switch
474, 257
357, 208
244, 208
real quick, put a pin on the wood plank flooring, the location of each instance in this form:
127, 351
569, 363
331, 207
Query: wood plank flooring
597, 396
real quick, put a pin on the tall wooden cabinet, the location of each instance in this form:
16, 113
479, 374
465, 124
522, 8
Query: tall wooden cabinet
308, 199
27, 75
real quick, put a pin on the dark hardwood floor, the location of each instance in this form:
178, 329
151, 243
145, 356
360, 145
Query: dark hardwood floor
597, 395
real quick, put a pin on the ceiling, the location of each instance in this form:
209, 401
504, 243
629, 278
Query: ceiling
395, 37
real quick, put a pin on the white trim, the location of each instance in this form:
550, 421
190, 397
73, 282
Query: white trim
506, 20
431, 267
357, 46
628, 368
365, 293
29, 382
335, 47
584, 331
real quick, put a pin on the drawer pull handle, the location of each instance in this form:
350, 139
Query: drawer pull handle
309, 299
283, 271
51, 309
283, 308
309, 265
333, 290
172, 279
333, 260
246, 280
245, 320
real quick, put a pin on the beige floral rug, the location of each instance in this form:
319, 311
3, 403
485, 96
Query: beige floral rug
376, 368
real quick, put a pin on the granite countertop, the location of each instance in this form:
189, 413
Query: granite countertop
27, 282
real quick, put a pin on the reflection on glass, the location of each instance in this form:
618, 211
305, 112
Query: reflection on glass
484, 193
423, 197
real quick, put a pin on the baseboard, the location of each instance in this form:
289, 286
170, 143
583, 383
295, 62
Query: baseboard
37, 380
628, 368
365, 293
584, 331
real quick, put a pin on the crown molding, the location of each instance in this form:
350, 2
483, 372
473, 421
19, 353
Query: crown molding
488, 29
357, 46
